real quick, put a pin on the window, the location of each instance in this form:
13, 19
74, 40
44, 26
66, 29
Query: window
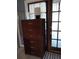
42, 6
56, 30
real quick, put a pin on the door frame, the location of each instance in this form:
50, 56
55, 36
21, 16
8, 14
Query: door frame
49, 24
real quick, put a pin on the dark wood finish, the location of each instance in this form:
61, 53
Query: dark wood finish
34, 36
49, 25
49, 22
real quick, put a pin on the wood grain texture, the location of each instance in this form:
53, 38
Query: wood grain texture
34, 36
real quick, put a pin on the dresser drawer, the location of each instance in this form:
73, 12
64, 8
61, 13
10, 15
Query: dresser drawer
36, 52
33, 36
33, 32
36, 44
25, 26
32, 25
36, 31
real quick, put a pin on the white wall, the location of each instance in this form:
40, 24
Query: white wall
20, 16
20, 38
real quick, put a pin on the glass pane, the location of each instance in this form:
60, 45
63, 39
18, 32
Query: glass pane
55, 16
43, 15
59, 16
54, 25
31, 8
27, 16
43, 7
32, 16
59, 44
59, 35
54, 43
36, 5
55, 6
60, 26
54, 35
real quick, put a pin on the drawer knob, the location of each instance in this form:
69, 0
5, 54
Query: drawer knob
30, 30
32, 41
30, 35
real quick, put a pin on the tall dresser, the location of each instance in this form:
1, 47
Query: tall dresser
34, 36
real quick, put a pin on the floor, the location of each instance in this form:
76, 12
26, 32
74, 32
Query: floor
48, 55
21, 55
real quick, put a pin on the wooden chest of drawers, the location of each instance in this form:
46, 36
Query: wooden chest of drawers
34, 36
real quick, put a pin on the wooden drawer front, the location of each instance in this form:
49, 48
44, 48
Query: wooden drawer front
33, 36
36, 31
33, 47
31, 22
35, 52
31, 25
33, 32
26, 27
36, 44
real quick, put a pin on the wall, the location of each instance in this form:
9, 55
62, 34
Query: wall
20, 16
21, 9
